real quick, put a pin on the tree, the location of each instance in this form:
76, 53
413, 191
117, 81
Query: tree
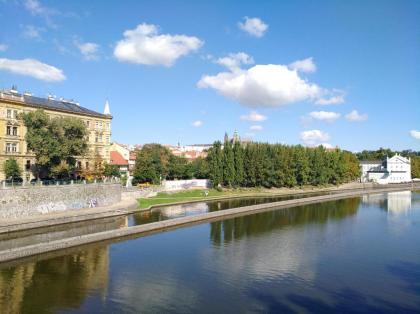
54, 140
111, 171
152, 164
228, 164
415, 167
11, 168
238, 155
200, 168
215, 160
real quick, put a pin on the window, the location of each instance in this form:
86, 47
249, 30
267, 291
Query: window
88, 123
11, 147
100, 138
87, 165
96, 138
108, 126
9, 113
12, 114
28, 165
79, 165
107, 140
12, 130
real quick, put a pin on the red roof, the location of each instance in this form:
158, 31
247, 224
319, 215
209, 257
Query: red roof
117, 159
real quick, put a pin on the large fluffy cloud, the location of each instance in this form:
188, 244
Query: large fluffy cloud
144, 45
34, 68
253, 26
315, 137
328, 116
415, 134
266, 85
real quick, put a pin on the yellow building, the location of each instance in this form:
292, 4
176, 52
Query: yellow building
12, 130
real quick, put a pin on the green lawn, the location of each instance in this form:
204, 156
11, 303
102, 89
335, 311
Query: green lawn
190, 195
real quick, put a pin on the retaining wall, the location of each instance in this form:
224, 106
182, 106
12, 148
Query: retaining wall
24, 202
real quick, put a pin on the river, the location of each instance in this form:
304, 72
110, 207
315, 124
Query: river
354, 255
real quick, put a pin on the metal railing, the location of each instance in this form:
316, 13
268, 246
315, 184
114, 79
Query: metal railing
53, 182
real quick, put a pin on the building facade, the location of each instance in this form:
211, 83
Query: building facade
13, 131
396, 169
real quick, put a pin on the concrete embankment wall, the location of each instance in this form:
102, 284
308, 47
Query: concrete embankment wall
160, 226
29, 201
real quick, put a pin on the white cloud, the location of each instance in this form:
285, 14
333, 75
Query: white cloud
255, 127
253, 116
3, 47
314, 137
197, 123
328, 116
266, 85
88, 50
32, 32
37, 9
415, 134
306, 65
33, 68
144, 45
253, 26
327, 145
333, 100
355, 116
234, 60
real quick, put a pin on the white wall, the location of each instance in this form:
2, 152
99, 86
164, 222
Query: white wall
169, 185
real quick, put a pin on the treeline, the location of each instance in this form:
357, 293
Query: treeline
251, 165
275, 165
384, 152
155, 162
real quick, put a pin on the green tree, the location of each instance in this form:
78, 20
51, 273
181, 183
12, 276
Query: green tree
200, 168
11, 168
228, 164
144, 168
54, 140
215, 161
111, 171
238, 155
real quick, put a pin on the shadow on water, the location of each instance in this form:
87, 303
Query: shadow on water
345, 301
233, 229
409, 273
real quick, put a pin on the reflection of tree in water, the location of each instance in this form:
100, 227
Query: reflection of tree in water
236, 228
55, 284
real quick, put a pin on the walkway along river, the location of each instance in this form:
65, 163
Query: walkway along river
356, 254
56, 241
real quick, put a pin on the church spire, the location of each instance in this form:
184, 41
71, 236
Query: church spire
106, 108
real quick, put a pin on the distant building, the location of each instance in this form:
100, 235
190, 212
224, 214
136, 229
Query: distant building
12, 129
396, 169
116, 159
190, 152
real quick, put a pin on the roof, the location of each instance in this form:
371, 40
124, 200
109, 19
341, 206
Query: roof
117, 159
51, 104
377, 161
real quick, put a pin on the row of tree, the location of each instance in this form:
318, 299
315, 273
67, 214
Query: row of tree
255, 164
276, 165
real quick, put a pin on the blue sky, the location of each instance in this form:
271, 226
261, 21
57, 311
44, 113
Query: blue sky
343, 73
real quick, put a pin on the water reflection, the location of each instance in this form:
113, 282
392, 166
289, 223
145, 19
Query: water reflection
395, 203
59, 283
232, 229
332, 257
176, 211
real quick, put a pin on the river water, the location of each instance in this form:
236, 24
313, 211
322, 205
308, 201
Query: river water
357, 255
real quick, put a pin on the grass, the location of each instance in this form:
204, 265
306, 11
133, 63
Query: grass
191, 195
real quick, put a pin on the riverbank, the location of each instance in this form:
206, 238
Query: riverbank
161, 226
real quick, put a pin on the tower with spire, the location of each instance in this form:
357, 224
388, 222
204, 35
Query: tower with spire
107, 111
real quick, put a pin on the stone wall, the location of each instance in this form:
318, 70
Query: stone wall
23, 202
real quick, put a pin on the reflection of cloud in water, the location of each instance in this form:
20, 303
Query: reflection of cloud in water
175, 211
152, 293
266, 257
